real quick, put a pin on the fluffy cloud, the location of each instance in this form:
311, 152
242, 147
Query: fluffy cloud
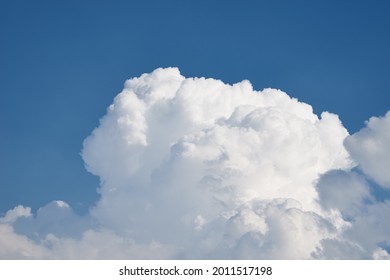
370, 148
352, 194
195, 168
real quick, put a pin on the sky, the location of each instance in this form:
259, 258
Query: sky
62, 63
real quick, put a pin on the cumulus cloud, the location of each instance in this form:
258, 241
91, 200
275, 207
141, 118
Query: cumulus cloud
196, 168
352, 194
370, 148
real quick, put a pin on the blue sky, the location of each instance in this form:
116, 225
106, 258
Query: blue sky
62, 62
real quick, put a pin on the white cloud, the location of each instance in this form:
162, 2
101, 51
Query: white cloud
16, 246
14, 214
347, 192
351, 193
381, 254
370, 148
195, 168
199, 147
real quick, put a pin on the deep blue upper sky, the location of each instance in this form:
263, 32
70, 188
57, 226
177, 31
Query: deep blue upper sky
62, 62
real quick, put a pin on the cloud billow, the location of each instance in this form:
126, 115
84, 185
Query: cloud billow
196, 168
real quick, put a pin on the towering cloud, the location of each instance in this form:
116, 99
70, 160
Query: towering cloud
195, 168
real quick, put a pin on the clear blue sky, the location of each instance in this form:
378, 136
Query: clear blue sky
62, 62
